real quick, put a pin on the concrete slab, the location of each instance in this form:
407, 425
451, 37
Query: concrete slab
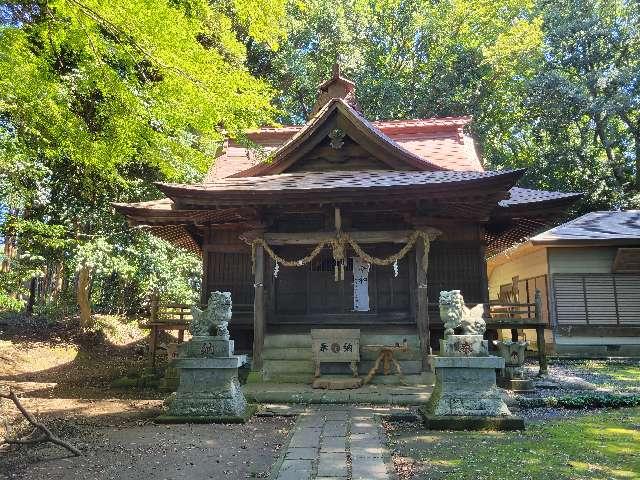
306, 437
333, 445
334, 428
332, 465
295, 470
301, 453
299, 393
368, 469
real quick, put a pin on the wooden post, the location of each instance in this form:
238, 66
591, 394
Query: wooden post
258, 309
153, 308
422, 306
542, 348
514, 334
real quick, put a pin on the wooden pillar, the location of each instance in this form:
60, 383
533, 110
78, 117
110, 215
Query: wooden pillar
258, 309
542, 347
422, 306
542, 350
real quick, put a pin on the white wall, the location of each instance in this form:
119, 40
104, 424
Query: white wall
581, 259
524, 266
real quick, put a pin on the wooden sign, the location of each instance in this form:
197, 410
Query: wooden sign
336, 345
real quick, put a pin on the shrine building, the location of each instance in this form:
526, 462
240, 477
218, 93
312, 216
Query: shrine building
346, 223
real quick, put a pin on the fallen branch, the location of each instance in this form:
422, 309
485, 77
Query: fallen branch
40, 433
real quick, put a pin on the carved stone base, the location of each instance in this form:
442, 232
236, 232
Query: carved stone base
248, 413
456, 422
466, 386
226, 401
209, 386
464, 346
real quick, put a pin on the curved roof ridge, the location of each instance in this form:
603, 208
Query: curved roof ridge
278, 164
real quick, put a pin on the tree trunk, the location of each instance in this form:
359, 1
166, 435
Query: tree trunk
634, 127
32, 298
616, 169
9, 252
82, 296
58, 277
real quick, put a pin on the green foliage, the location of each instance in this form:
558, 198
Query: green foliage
97, 101
9, 303
583, 401
552, 86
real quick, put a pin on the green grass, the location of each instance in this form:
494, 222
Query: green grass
599, 446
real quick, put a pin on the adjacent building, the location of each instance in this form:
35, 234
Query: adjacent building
588, 270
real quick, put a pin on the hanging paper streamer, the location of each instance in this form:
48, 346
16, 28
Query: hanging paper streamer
360, 285
395, 268
276, 270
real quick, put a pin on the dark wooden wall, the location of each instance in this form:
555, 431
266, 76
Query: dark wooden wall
310, 296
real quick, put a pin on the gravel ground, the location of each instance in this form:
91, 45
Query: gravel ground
572, 377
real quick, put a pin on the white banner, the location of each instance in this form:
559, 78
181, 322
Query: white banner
360, 285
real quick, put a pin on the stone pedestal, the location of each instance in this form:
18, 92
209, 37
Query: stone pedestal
465, 395
171, 376
464, 346
209, 390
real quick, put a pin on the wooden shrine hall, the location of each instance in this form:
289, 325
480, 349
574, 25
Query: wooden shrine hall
346, 223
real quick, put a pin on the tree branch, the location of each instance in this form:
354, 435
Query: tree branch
45, 435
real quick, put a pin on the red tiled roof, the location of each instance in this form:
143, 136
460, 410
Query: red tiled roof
440, 141
385, 148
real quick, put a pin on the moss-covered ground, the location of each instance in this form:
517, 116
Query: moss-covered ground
599, 445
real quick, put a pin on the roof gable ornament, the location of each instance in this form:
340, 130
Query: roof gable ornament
335, 87
337, 138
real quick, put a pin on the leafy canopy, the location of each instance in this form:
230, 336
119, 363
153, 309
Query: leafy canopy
100, 99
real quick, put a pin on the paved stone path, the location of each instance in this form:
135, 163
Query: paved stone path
335, 442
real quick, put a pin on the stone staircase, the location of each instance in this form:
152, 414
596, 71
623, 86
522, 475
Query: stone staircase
288, 359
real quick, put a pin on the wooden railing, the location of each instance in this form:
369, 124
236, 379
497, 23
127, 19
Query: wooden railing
176, 313
170, 313
516, 315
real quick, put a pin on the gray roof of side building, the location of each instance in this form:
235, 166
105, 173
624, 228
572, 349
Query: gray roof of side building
595, 227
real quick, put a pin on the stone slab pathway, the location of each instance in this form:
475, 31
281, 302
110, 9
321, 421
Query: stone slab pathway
335, 442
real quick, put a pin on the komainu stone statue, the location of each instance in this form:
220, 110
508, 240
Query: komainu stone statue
455, 314
208, 390
465, 395
214, 320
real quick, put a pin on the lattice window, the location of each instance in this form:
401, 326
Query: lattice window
597, 299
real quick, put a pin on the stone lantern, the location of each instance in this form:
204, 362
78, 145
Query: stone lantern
513, 377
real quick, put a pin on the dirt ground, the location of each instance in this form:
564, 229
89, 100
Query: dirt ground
135, 450
64, 380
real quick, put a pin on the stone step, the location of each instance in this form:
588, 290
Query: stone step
296, 340
424, 378
408, 367
305, 353
288, 366
293, 353
307, 379
299, 378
